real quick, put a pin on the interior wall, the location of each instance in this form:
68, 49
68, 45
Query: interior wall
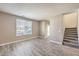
78, 25
56, 29
8, 29
43, 29
70, 20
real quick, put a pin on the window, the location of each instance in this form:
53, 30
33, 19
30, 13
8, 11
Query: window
23, 27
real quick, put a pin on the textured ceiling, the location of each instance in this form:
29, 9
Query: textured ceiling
38, 11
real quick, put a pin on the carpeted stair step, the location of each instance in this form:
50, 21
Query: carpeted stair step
70, 33
71, 44
70, 41
71, 36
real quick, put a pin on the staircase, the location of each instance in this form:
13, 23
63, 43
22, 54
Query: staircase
70, 37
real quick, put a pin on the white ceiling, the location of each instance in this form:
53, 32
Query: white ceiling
38, 11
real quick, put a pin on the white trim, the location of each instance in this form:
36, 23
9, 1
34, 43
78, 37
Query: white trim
18, 41
56, 42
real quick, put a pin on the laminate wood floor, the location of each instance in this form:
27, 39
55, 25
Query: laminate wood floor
37, 47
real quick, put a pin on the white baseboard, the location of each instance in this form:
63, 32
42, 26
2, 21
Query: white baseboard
56, 42
18, 41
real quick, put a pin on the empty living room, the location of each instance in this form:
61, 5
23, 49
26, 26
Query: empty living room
39, 29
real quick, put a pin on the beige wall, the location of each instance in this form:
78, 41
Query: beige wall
8, 29
78, 26
44, 28
56, 29
70, 20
